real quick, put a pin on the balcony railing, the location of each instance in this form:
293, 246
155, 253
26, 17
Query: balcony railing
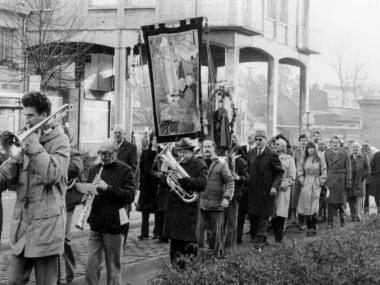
245, 15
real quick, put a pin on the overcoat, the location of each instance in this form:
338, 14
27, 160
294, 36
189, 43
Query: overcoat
181, 218
312, 176
39, 216
359, 172
283, 196
265, 172
148, 183
296, 188
163, 188
374, 183
127, 153
338, 175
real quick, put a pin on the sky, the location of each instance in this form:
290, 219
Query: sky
350, 27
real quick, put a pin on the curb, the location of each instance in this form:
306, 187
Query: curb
6, 245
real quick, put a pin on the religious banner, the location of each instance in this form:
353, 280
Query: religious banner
174, 68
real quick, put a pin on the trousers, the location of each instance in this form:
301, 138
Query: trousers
211, 222
259, 227
46, 269
330, 213
242, 215
230, 225
111, 244
278, 228
68, 254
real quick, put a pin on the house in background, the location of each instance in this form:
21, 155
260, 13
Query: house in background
241, 32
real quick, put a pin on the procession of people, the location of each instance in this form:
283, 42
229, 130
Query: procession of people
201, 196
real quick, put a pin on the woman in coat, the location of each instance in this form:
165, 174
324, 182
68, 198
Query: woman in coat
374, 184
312, 174
148, 187
283, 195
360, 171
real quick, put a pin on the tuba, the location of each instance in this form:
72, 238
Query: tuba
12, 143
176, 172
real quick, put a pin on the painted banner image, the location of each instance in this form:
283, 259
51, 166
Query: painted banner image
173, 57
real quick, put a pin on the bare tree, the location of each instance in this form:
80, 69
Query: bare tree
45, 34
352, 76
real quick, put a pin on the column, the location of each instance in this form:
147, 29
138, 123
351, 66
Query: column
232, 64
304, 95
272, 98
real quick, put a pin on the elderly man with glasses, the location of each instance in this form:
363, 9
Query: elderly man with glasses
265, 176
113, 180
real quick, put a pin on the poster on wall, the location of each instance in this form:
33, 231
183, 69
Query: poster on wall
174, 69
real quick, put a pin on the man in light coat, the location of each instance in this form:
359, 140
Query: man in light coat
40, 177
360, 171
338, 180
283, 196
215, 199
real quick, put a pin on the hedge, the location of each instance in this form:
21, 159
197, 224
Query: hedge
343, 256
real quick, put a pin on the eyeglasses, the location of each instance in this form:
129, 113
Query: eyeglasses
104, 153
259, 139
364, 145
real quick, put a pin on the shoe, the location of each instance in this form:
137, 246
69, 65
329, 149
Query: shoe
342, 223
155, 237
330, 226
302, 228
238, 241
141, 237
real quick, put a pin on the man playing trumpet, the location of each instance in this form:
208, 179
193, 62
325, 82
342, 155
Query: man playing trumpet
114, 182
39, 174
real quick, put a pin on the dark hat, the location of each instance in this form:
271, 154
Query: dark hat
185, 143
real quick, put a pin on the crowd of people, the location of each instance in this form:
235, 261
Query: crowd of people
201, 196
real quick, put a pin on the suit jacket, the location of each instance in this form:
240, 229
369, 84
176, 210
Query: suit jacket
127, 153
338, 175
265, 172
360, 171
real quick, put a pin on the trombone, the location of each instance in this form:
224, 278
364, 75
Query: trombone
12, 143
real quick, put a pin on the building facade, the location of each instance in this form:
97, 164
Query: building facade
265, 33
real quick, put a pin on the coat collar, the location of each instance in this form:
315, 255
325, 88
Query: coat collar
45, 137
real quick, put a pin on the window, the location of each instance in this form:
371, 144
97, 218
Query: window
284, 11
6, 43
103, 3
272, 5
140, 3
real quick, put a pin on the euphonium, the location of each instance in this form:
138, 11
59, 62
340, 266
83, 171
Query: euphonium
12, 143
175, 173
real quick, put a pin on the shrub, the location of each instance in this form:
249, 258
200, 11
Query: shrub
344, 256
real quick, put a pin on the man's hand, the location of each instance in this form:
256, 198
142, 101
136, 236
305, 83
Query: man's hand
32, 140
273, 192
236, 177
100, 184
225, 203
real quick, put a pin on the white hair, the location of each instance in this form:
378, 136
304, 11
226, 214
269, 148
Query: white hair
119, 128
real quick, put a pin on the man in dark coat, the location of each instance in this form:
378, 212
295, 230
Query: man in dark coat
127, 153
182, 218
374, 183
338, 180
360, 171
265, 176
113, 180
148, 187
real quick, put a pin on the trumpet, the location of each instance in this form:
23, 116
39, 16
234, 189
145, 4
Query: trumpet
176, 172
87, 205
11, 143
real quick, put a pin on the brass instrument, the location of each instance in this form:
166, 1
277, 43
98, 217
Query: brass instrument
13, 145
87, 205
176, 172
